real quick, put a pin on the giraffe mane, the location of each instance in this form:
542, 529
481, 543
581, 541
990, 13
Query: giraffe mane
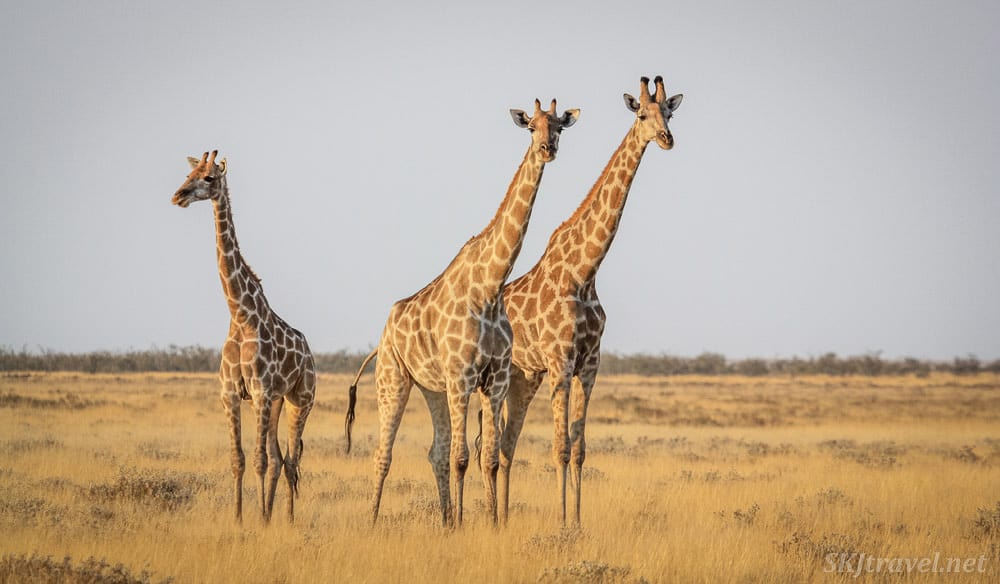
594, 190
229, 203
253, 274
497, 217
246, 265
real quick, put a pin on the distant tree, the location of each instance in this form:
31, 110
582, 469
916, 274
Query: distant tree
868, 364
913, 366
709, 364
968, 365
829, 364
200, 359
751, 367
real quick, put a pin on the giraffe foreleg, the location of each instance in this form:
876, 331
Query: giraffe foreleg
437, 403
262, 408
492, 397
579, 400
519, 397
560, 440
231, 406
489, 458
275, 461
458, 408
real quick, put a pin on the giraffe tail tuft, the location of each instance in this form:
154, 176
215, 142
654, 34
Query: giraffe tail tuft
298, 467
479, 438
352, 400
293, 469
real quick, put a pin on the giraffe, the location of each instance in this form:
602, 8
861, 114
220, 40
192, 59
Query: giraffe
263, 359
554, 310
453, 337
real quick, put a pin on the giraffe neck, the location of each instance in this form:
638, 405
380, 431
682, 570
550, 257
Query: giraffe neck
592, 228
500, 242
240, 284
483, 264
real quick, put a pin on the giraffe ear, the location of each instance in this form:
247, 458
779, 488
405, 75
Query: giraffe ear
675, 102
569, 118
222, 167
521, 119
194, 162
631, 103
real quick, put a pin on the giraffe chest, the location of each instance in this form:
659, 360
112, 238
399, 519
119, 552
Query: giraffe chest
553, 328
275, 355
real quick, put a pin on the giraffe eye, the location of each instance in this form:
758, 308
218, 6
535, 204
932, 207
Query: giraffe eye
208, 178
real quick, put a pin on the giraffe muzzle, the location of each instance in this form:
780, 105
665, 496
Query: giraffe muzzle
665, 140
180, 200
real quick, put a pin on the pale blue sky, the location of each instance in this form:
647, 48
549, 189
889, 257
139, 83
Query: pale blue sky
834, 185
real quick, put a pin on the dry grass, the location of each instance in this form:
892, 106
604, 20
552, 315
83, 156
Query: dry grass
689, 479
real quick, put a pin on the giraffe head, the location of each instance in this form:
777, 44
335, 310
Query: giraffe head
545, 128
653, 112
205, 181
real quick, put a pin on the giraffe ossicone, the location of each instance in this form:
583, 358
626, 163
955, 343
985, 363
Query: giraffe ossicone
453, 338
264, 359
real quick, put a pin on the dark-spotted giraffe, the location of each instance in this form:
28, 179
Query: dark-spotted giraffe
263, 359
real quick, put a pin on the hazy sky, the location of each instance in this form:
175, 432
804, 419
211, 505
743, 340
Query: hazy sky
835, 183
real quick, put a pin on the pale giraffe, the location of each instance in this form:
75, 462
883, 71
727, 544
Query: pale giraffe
453, 337
554, 310
263, 359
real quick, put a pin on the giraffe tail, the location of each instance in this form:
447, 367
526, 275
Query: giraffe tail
352, 398
292, 472
479, 438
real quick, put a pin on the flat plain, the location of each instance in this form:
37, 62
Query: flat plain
126, 478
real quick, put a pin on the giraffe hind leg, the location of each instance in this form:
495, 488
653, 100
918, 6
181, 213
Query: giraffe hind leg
297, 415
393, 387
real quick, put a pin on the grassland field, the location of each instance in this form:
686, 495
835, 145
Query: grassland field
125, 478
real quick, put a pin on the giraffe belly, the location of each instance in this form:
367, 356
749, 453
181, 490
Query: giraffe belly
525, 357
429, 376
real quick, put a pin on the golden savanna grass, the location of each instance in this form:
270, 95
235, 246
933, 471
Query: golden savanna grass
688, 479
